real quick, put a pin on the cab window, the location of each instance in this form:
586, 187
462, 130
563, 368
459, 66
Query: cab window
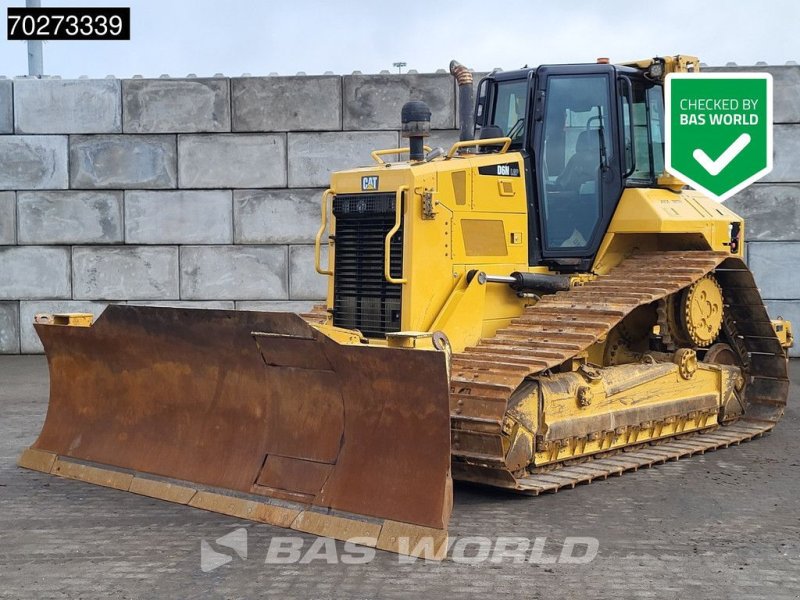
576, 150
643, 126
508, 110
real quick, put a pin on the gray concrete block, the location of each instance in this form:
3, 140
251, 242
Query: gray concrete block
30, 343
771, 211
6, 106
313, 156
786, 149
374, 101
8, 218
9, 328
287, 103
123, 161
276, 216
304, 281
33, 162
196, 304
30, 272
67, 106
299, 306
785, 99
69, 217
773, 264
125, 273
233, 272
178, 217
176, 105
787, 309
785, 83
232, 160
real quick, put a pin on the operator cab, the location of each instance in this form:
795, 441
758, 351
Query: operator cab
586, 132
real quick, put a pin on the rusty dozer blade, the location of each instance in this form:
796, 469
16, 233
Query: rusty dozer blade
254, 414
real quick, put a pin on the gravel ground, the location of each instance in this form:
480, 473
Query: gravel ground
722, 525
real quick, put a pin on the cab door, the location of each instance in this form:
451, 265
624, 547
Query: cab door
577, 160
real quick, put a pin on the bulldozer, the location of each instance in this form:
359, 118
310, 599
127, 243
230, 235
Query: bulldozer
539, 306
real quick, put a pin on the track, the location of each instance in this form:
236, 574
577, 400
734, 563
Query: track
564, 324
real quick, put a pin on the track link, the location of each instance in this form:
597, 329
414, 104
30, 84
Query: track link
564, 324
638, 457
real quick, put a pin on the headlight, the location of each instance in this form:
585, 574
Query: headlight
656, 70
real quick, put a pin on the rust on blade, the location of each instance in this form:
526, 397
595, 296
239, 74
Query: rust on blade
201, 397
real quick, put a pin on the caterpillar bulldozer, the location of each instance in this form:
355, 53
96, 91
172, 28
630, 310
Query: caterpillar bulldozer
539, 306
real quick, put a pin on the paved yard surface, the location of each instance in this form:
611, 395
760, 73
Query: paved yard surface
722, 525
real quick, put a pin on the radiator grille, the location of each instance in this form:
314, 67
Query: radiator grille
363, 299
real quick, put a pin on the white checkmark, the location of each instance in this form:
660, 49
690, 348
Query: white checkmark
715, 166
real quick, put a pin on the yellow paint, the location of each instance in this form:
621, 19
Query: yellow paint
783, 329
165, 490
651, 219
343, 336
703, 311
484, 237
505, 187
476, 227
505, 142
680, 63
66, 319
413, 540
377, 155
387, 245
326, 196
459, 183
97, 475
339, 528
455, 320
573, 415
37, 460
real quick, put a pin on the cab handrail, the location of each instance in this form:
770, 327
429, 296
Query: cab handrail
506, 141
376, 154
318, 240
387, 244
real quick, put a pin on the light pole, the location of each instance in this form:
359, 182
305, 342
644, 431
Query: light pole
35, 60
399, 66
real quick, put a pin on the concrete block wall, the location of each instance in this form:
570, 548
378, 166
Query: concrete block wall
196, 192
204, 192
771, 207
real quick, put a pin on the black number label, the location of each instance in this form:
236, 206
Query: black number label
68, 23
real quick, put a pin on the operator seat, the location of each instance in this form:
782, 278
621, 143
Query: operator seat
488, 132
584, 164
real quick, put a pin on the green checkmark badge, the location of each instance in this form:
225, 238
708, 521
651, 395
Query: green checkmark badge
719, 130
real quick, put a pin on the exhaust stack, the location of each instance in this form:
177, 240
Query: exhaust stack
466, 99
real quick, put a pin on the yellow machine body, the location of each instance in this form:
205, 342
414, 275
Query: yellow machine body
480, 223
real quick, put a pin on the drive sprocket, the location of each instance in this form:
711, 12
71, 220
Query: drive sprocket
694, 316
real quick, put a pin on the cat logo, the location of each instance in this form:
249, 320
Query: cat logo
369, 183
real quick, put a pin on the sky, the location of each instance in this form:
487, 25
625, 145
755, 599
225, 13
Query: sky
205, 37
